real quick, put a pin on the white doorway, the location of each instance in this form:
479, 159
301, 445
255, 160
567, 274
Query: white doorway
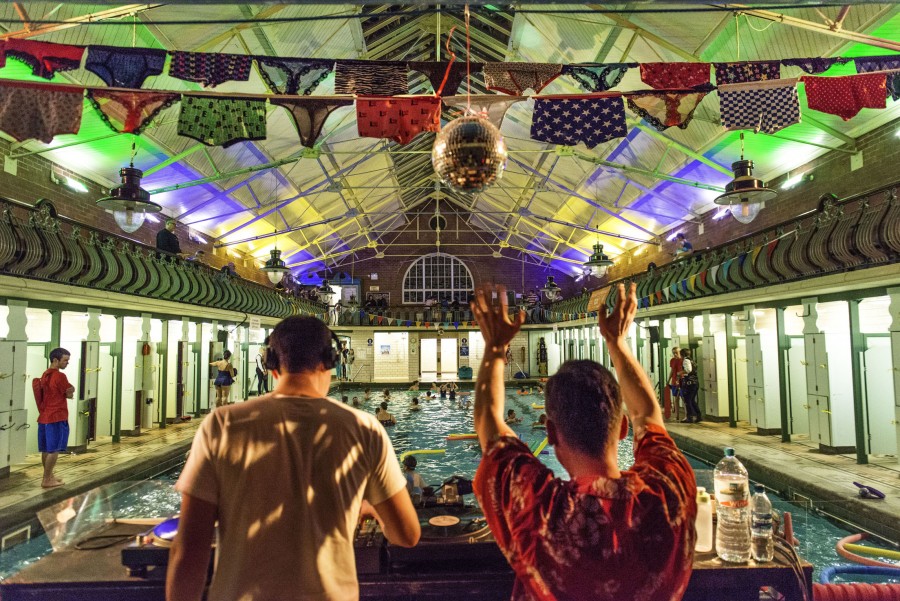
428, 359
105, 391
796, 369
878, 388
449, 359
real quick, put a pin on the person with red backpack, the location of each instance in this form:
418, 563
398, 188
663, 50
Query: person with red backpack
51, 391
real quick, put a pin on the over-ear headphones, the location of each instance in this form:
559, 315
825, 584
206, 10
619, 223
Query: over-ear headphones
330, 356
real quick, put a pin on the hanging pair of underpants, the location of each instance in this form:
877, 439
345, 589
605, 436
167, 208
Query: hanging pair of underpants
217, 121
868, 64
675, 76
663, 110
309, 114
293, 75
846, 96
597, 78
124, 67
491, 106
766, 106
209, 68
811, 65
746, 72
399, 119
39, 111
435, 72
45, 58
569, 120
515, 78
366, 78
129, 112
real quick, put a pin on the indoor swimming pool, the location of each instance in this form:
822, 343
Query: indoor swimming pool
427, 430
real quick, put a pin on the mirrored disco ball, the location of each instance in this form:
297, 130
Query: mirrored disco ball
469, 154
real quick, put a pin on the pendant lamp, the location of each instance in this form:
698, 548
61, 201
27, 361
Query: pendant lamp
275, 269
599, 263
745, 194
551, 290
325, 292
128, 202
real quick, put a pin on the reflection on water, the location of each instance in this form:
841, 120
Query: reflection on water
428, 429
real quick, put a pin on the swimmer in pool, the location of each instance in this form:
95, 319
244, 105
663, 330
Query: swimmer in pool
541, 422
382, 415
367, 394
356, 401
511, 417
415, 405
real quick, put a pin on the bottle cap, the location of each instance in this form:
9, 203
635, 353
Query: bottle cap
703, 497
759, 488
701, 489
729, 452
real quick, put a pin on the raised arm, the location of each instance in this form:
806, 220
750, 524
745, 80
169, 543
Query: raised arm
490, 392
637, 391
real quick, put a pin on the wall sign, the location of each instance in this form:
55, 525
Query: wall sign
463, 350
370, 342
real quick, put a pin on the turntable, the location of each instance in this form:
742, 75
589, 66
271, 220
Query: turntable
151, 549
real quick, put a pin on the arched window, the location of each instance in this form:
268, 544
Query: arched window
437, 275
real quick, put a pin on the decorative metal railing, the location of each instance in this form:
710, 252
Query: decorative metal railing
36, 244
839, 235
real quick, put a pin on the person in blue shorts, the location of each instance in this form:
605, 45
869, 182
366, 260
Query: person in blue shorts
53, 414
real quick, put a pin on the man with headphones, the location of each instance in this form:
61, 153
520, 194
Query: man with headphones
286, 475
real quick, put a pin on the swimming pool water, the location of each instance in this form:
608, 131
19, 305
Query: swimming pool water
427, 429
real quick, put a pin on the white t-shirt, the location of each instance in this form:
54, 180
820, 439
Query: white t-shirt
288, 475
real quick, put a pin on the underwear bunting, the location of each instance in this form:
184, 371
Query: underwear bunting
293, 75
364, 78
435, 71
210, 69
567, 121
515, 78
598, 78
761, 106
675, 76
309, 114
124, 67
813, 66
846, 96
868, 64
399, 119
46, 59
663, 110
129, 112
217, 121
39, 112
491, 106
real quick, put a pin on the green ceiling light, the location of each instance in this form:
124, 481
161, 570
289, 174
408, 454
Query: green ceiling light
599, 263
128, 202
745, 194
275, 269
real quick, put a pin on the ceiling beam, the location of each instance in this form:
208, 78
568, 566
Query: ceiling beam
822, 28
102, 15
647, 35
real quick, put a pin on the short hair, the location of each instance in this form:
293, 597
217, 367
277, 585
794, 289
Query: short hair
300, 344
685, 352
410, 462
584, 402
681, 235
511, 412
172, 221
383, 405
57, 354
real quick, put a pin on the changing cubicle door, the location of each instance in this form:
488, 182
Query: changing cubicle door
796, 374
5, 427
819, 419
86, 421
13, 358
879, 396
18, 433
817, 364
741, 390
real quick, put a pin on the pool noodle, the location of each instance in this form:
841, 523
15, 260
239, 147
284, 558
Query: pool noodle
536, 406
872, 551
467, 436
537, 450
841, 549
404, 454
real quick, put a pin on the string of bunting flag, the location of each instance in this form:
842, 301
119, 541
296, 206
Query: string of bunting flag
752, 94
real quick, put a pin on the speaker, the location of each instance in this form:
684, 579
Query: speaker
654, 334
222, 336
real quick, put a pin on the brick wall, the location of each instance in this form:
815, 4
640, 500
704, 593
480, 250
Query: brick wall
831, 174
32, 182
417, 239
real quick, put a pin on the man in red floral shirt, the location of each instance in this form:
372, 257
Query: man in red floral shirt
605, 534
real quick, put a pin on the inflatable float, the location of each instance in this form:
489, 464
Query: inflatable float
537, 407
848, 550
404, 454
468, 436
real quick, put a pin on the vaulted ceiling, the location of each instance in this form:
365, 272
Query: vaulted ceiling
335, 204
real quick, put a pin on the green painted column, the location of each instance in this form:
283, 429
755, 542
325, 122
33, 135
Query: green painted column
117, 354
662, 361
857, 348
55, 329
784, 345
731, 346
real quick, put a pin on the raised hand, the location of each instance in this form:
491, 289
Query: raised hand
496, 327
614, 326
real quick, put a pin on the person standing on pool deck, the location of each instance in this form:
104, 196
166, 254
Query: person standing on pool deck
53, 415
605, 534
286, 476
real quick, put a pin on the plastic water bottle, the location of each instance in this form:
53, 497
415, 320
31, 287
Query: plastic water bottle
762, 545
704, 522
732, 509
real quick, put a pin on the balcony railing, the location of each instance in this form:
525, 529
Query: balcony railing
857, 232
37, 245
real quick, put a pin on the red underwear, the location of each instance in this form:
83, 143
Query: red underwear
45, 58
846, 96
400, 119
130, 112
674, 76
